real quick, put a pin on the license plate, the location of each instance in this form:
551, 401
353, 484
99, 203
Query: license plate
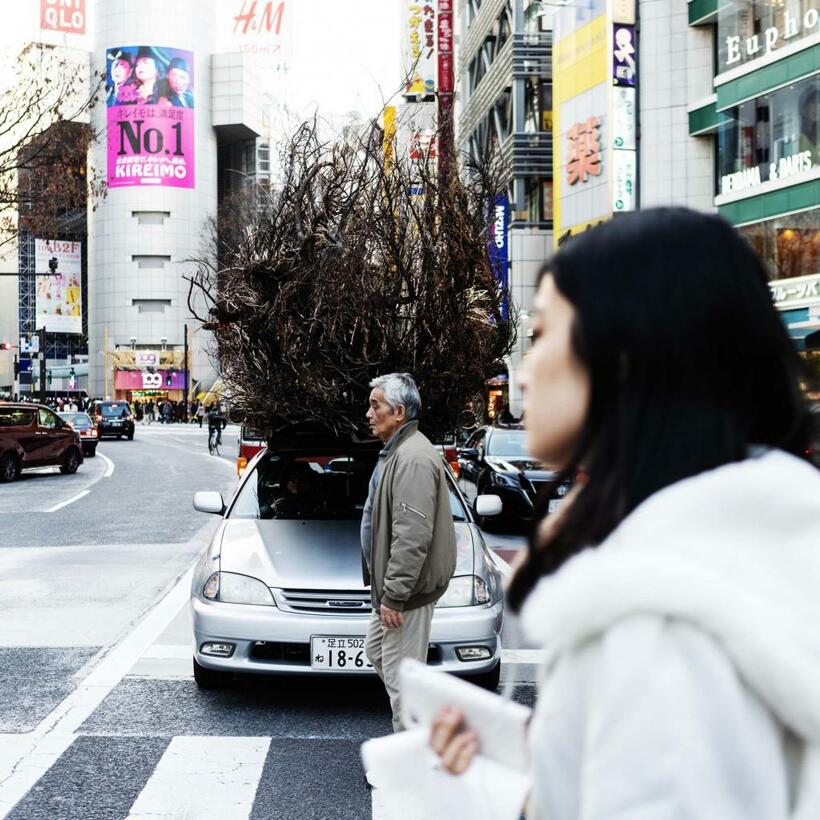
554, 504
339, 654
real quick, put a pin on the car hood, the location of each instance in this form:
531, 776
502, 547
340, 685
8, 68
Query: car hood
524, 466
306, 554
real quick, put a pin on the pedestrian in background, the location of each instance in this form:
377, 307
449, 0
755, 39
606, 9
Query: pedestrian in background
408, 536
200, 413
675, 592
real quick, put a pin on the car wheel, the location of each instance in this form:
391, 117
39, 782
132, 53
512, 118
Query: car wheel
488, 680
71, 461
92, 451
9, 468
211, 678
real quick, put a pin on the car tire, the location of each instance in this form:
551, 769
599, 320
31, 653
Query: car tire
488, 680
211, 678
9, 468
92, 451
71, 461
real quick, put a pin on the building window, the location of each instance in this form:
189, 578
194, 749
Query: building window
788, 245
151, 305
771, 137
749, 29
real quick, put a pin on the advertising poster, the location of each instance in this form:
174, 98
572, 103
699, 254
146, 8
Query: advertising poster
150, 97
59, 297
419, 46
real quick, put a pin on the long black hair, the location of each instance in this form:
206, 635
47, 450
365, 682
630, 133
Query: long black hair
689, 365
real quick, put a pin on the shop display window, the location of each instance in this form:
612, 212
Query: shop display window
788, 245
750, 29
775, 136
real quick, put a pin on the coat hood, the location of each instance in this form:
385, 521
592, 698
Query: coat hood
734, 551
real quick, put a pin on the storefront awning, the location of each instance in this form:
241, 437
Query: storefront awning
806, 335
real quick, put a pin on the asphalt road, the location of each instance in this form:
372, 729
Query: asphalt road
100, 716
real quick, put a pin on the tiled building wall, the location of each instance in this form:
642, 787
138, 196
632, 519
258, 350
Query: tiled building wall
674, 167
116, 235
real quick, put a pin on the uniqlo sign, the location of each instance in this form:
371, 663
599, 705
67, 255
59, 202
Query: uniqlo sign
63, 15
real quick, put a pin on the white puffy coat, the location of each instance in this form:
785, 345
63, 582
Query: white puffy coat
682, 677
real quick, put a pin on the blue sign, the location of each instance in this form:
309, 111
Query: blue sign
498, 247
25, 365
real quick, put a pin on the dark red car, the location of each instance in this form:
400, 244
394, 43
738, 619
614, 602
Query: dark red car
32, 435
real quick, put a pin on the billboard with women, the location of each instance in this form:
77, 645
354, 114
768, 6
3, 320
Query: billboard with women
59, 295
150, 116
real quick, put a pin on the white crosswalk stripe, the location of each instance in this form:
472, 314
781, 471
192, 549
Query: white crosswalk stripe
207, 778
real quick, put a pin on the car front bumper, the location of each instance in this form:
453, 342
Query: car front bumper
286, 637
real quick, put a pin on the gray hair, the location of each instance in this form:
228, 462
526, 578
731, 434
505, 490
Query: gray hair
400, 388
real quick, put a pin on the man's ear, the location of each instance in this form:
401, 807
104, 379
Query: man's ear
401, 412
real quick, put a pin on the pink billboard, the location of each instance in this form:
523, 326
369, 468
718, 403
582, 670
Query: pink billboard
150, 116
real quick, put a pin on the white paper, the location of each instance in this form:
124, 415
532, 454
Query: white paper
410, 784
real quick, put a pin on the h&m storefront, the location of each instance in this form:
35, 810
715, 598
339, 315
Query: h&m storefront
766, 120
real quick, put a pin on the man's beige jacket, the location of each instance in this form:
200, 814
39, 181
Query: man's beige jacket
413, 539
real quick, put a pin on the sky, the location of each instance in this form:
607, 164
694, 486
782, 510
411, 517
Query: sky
345, 55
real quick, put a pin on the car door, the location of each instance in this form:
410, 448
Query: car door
53, 436
468, 468
20, 429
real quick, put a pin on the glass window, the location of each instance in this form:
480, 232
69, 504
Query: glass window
313, 487
118, 410
748, 29
788, 245
775, 136
507, 444
47, 419
12, 417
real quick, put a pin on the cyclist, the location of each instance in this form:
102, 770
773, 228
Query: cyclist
215, 420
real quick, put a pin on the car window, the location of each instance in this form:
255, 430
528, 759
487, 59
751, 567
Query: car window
476, 438
80, 421
115, 411
14, 417
508, 444
47, 419
290, 486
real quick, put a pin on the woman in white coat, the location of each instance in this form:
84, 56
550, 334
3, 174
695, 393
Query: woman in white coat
676, 594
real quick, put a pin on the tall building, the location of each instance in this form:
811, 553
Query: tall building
504, 106
180, 119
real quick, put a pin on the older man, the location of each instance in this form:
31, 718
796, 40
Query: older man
408, 537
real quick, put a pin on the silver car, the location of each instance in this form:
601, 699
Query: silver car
280, 589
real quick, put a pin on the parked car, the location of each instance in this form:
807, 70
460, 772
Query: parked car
113, 418
280, 589
81, 422
494, 460
32, 435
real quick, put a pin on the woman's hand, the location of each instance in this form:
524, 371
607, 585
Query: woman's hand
450, 739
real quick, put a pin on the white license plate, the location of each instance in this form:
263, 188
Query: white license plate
554, 504
339, 654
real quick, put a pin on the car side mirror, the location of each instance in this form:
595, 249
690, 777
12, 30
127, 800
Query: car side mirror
469, 453
209, 501
488, 506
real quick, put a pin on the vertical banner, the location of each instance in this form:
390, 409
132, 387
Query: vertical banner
498, 249
59, 297
150, 116
445, 47
419, 48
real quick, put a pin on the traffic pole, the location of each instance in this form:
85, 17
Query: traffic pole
42, 333
186, 374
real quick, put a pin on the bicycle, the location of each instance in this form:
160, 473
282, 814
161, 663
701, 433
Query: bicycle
213, 441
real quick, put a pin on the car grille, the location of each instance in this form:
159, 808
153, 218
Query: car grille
348, 602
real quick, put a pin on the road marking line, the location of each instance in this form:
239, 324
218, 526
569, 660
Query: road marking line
207, 778
109, 469
36, 752
68, 501
173, 651
533, 656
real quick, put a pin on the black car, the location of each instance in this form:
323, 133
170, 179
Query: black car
113, 418
494, 461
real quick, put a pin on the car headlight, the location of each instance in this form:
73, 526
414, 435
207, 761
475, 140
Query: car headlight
504, 480
465, 590
232, 588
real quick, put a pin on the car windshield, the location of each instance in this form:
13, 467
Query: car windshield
15, 417
508, 444
115, 410
293, 485
79, 421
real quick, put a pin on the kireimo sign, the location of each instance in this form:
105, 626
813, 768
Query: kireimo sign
770, 38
